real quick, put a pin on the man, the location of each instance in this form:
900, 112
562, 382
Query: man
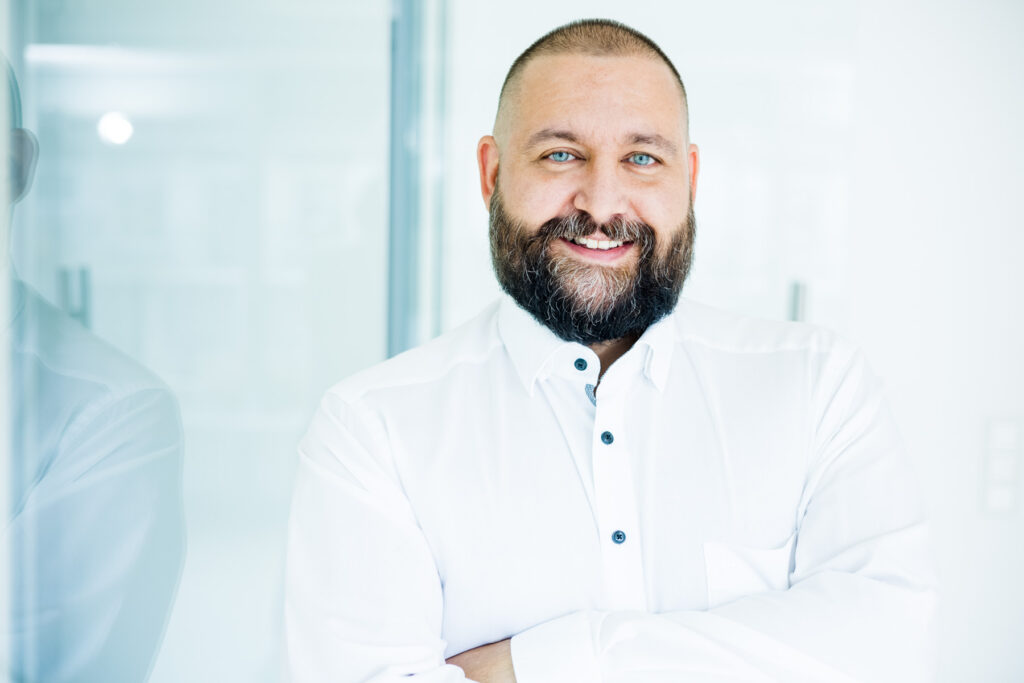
96, 527
591, 481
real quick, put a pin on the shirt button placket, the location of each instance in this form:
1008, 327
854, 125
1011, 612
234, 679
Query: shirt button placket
616, 506
588, 389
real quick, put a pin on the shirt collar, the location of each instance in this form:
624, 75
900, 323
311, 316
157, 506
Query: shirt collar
660, 340
533, 347
529, 344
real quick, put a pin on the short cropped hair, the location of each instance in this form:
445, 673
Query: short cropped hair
595, 37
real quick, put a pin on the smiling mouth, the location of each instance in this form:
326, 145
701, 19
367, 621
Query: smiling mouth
599, 245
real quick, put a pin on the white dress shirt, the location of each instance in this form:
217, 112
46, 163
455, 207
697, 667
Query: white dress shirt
732, 505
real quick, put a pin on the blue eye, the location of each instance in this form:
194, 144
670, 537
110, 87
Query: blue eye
641, 159
560, 157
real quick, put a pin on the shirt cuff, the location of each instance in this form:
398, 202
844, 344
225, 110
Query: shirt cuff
558, 651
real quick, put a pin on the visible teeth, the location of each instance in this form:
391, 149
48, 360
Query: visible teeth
603, 245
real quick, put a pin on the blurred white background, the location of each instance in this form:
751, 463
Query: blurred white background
872, 151
237, 242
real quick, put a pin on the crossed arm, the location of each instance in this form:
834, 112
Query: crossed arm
487, 663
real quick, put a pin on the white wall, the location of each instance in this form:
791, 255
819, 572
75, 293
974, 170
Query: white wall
940, 302
870, 150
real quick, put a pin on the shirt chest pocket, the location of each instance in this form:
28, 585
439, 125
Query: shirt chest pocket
734, 571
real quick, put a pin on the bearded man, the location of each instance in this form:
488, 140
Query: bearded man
595, 480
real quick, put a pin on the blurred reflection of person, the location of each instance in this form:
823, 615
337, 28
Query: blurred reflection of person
96, 525
597, 480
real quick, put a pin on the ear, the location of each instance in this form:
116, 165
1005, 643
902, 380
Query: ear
23, 153
693, 160
487, 161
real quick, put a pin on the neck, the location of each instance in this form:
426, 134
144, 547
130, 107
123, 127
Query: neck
610, 351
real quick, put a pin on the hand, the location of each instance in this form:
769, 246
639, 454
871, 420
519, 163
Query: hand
487, 663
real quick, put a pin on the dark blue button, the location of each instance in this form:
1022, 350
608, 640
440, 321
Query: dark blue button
607, 437
580, 364
619, 536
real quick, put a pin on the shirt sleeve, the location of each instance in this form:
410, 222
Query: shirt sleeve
363, 598
98, 544
861, 599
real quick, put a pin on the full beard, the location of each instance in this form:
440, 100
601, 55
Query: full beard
588, 302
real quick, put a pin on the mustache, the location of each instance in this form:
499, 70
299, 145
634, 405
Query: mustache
580, 224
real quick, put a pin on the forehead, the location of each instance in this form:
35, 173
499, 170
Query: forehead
598, 96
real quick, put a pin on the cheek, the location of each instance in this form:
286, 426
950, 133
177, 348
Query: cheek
668, 218
664, 211
538, 200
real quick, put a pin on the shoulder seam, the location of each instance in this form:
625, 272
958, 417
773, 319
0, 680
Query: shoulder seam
362, 388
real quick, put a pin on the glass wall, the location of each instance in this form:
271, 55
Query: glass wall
202, 251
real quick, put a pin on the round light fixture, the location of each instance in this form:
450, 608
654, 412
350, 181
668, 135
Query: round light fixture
114, 128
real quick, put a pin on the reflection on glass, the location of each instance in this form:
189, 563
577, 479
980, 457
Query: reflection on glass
235, 244
96, 525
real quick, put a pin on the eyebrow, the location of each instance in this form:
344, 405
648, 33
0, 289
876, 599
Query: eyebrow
551, 134
653, 139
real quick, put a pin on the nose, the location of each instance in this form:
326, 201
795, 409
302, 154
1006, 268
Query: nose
602, 193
